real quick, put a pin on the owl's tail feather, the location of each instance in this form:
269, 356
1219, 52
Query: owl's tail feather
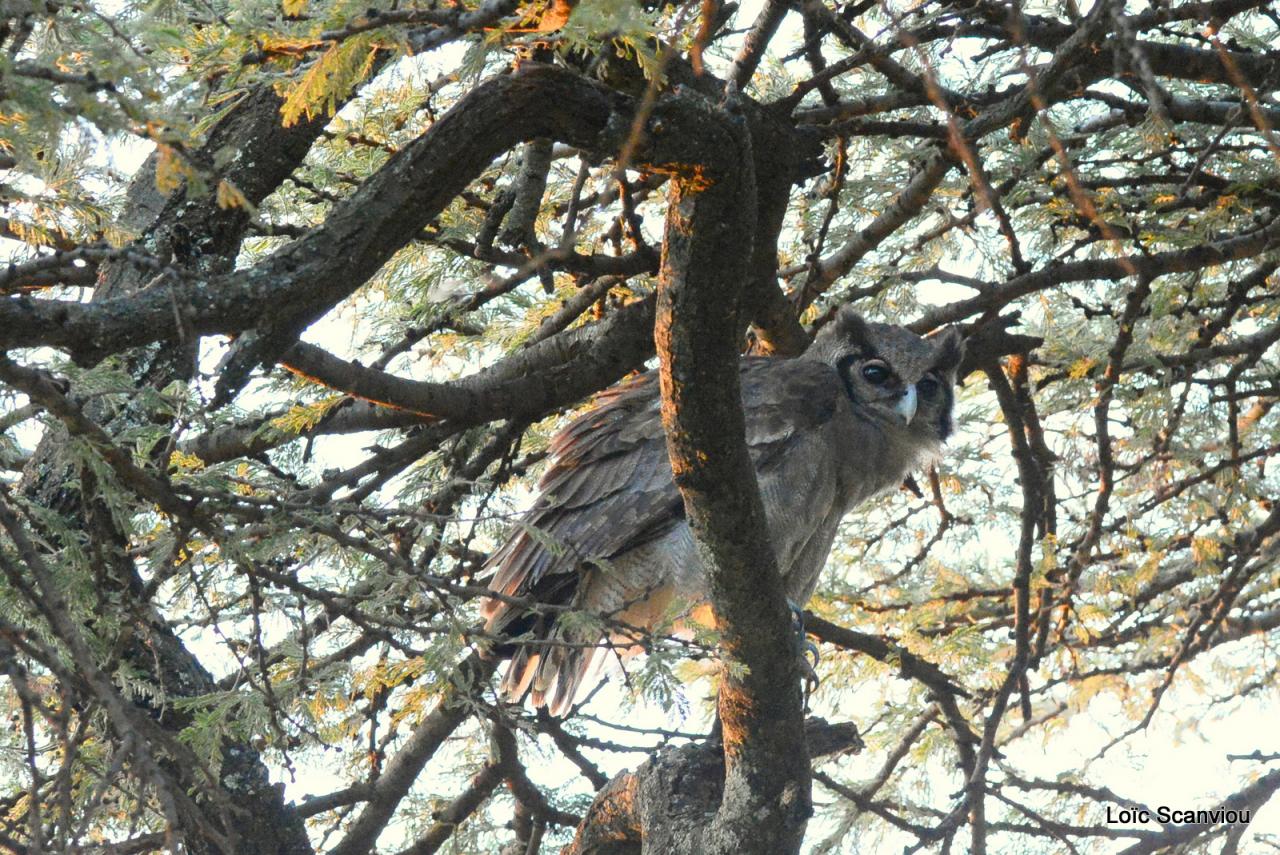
551, 673
561, 688
520, 673
549, 660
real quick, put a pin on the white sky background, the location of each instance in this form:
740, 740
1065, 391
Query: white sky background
1166, 765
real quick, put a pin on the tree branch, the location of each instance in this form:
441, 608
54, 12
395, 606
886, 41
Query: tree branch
710, 227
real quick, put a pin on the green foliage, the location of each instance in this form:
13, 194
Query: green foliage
327, 571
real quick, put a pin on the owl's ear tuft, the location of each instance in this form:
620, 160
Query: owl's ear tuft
846, 332
950, 349
849, 325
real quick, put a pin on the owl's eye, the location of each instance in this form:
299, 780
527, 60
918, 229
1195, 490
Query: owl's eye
928, 387
876, 372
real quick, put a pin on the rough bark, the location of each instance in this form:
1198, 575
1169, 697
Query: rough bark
711, 222
732, 166
641, 812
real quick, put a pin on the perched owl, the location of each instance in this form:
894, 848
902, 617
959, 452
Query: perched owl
850, 418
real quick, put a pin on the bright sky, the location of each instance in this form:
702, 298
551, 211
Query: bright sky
1167, 765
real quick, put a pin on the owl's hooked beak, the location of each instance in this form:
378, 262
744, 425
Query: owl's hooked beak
906, 406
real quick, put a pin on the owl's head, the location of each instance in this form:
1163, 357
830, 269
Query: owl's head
892, 374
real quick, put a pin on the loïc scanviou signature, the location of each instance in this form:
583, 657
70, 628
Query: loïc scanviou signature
1166, 815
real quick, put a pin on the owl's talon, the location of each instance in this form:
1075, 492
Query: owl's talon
809, 669
811, 649
804, 649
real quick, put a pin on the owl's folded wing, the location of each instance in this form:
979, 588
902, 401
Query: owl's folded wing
608, 488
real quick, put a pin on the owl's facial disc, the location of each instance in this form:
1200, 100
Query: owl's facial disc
893, 376
874, 383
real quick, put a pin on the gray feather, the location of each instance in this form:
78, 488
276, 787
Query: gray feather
612, 539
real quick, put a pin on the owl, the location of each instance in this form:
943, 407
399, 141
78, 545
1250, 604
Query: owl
850, 418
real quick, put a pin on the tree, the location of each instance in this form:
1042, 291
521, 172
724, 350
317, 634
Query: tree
268, 400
